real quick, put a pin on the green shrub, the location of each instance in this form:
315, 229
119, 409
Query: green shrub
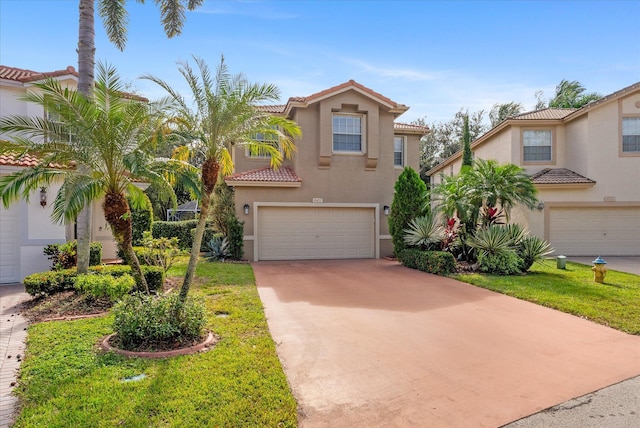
500, 263
101, 286
141, 220
436, 262
408, 203
153, 274
160, 252
236, 239
175, 229
209, 234
143, 321
64, 256
49, 282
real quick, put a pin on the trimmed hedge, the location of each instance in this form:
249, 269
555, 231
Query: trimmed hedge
184, 231
51, 282
436, 262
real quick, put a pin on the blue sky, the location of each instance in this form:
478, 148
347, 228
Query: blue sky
435, 57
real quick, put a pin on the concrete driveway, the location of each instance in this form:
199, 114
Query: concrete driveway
369, 343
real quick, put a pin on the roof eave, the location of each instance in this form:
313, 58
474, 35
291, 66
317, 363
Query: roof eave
248, 183
546, 186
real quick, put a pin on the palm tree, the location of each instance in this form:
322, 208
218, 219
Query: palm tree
491, 185
225, 113
114, 16
112, 136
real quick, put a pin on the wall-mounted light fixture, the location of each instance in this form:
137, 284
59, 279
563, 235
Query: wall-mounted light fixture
43, 197
540, 206
386, 209
246, 209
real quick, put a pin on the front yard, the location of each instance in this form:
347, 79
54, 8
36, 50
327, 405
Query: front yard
65, 381
616, 303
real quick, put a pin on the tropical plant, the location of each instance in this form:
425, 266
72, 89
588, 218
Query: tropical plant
532, 249
218, 249
490, 184
111, 136
409, 201
114, 16
225, 113
492, 240
424, 232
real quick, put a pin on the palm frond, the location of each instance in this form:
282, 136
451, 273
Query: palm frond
114, 18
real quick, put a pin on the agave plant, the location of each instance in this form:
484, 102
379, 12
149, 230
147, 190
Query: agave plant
218, 249
516, 233
492, 240
423, 232
533, 249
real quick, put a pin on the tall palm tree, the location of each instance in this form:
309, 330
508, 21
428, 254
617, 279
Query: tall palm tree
225, 113
111, 135
114, 17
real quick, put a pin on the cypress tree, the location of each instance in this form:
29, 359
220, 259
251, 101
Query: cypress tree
467, 156
408, 203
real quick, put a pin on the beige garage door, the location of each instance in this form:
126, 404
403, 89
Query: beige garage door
595, 231
9, 248
292, 233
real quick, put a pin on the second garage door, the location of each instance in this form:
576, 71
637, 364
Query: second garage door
301, 233
595, 231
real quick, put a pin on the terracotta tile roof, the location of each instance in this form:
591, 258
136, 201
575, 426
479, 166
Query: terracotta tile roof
27, 160
545, 114
410, 127
23, 75
345, 85
559, 176
273, 109
283, 175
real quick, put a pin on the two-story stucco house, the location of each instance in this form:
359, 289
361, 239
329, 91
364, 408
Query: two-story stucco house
26, 227
332, 199
585, 164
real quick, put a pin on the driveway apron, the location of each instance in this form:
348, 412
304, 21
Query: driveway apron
370, 343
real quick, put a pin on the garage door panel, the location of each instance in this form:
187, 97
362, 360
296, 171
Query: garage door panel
298, 233
9, 244
593, 231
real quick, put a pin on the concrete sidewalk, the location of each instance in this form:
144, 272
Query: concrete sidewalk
13, 332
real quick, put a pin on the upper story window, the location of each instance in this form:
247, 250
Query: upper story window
398, 151
347, 133
537, 145
254, 152
631, 135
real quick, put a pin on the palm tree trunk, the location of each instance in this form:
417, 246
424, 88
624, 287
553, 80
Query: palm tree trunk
118, 215
210, 170
86, 63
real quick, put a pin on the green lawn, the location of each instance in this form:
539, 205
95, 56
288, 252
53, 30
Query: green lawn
65, 381
616, 303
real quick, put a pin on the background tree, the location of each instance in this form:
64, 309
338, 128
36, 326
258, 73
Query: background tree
114, 17
569, 94
445, 138
225, 114
409, 202
111, 135
467, 156
500, 112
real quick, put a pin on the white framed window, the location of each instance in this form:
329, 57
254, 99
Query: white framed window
348, 135
264, 138
537, 145
631, 135
398, 151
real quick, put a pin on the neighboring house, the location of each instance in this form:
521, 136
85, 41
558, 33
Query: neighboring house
331, 200
26, 227
585, 164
